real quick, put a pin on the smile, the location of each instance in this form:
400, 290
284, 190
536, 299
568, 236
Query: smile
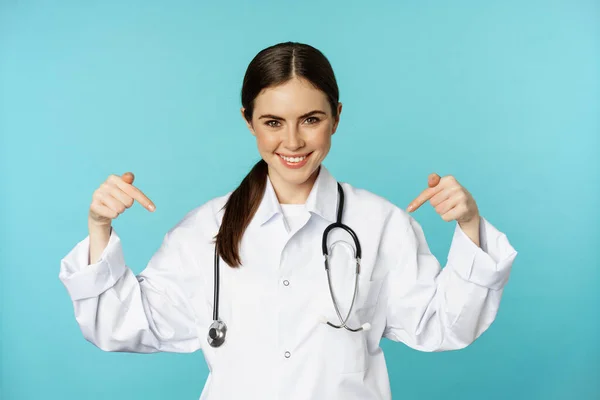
294, 161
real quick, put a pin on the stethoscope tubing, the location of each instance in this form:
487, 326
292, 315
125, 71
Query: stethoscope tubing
218, 328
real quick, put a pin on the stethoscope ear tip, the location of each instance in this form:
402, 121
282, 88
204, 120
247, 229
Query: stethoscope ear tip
366, 326
322, 319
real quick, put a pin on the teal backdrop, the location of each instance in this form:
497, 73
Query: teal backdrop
504, 95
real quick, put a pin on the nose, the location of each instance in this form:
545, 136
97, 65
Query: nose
293, 139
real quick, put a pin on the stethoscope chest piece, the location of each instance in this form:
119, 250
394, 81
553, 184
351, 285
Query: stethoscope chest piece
216, 333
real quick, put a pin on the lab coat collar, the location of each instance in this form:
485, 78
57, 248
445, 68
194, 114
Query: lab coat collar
322, 199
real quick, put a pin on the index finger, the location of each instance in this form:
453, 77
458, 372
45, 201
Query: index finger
135, 194
422, 198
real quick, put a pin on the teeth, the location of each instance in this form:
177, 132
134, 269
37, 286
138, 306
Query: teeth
293, 159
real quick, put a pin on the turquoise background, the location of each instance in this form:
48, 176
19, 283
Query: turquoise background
503, 95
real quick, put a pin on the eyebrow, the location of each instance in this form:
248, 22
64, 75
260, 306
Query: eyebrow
271, 116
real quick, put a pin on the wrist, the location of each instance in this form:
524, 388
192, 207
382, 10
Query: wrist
471, 228
95, 227
471, 222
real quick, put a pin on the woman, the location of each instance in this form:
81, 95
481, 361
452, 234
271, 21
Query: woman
274, 295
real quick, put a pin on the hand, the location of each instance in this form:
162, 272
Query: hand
113, 197
450, 199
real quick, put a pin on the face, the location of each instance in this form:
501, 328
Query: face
293, 124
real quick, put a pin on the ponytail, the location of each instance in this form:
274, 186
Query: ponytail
239, 210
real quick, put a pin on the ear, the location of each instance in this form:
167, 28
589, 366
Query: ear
337, 119
248, 124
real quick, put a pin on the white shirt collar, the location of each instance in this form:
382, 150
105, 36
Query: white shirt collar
322, 199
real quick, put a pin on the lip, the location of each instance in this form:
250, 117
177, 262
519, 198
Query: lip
294, 155
294, 165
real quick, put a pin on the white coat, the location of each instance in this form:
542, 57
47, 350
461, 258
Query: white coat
276, 345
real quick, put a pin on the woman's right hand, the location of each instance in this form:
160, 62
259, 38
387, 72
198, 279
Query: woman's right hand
113, 197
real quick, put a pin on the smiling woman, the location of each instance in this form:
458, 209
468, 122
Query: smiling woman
290, 102
298, 112
270, 334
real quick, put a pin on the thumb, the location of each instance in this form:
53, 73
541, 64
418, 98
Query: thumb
433, 180
128, 177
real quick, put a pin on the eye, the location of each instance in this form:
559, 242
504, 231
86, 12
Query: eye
272, 123
312, 120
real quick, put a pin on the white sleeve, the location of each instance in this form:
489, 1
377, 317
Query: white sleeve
434, 309
118, 311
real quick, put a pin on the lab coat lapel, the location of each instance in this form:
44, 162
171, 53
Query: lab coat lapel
322, 199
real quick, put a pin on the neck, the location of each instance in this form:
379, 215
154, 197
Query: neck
292, 193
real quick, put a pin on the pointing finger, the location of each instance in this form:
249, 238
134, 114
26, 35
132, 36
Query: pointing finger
420, 199
433, 181
126, 185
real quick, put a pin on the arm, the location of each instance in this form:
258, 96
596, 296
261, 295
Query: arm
98, 240
151, 312
434, 309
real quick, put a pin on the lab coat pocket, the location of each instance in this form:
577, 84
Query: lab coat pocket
366, 308
348, 350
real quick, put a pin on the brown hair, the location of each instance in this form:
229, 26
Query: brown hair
270, 67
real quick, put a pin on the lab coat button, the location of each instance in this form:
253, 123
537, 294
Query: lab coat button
286, 282
287, 354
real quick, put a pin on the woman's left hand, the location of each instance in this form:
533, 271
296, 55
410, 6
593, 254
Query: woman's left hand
452, 202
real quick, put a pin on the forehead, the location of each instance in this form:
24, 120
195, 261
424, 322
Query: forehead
292, 98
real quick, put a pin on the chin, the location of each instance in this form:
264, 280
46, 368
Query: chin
294, 176
298, 179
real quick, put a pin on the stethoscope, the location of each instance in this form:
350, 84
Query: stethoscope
218, 328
